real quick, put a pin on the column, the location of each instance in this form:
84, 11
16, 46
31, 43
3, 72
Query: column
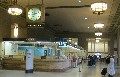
118, 46
111, 45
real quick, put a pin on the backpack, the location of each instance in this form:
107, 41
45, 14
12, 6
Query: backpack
107, 60
104, 71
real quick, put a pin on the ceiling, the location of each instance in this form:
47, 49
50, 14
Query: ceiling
72, 19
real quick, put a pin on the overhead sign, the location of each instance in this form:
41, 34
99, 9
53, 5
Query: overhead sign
63, 44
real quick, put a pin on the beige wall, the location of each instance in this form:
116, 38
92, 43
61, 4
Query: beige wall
6, 31
5, 26
22, 29
97, 47
5, 21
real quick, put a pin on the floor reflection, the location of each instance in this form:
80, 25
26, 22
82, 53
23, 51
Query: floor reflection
29, 75
93, 71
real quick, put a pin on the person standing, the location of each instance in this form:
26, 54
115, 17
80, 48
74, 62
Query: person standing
74, 61
111, 68
94, 60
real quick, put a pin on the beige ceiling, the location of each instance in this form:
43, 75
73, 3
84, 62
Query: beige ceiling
72, 19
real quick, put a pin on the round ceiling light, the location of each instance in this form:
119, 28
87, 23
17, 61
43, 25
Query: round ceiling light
15, 10
98, 25
99, 8
98, 33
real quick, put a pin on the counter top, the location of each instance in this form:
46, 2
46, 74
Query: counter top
53, 60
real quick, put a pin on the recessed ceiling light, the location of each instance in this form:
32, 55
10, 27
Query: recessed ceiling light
97, 41
70, 40
98, 25
88, 27
86, 18
76, 43
98, 38
79, 0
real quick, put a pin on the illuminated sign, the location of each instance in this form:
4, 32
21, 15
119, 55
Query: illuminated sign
63, 44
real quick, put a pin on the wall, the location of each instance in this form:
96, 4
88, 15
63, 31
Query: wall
84, 43
101, 46
22, 29
11, 48
118, 46
5, 26
5, 22
82, 37
39, 33
2, 52
39, 51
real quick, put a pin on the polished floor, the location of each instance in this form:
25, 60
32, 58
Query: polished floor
86, 71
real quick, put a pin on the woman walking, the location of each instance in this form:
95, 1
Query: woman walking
111, 68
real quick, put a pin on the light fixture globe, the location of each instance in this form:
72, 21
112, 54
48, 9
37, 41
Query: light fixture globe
15, 10
97, 41
98, 33
98, 25
99, 7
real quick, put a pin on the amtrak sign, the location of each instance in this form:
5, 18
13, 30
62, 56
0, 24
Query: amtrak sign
63, 44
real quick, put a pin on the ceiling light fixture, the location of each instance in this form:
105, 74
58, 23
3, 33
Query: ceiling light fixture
14, 9
98, 33
99, 8
69, 39
76, 43
98, 25
98, 38
86, 18
79, 1
97, 41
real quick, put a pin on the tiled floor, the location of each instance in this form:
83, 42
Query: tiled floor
93, 71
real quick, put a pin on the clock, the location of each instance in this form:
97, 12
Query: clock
34, 14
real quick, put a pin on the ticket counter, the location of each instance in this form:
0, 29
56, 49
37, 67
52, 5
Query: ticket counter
54, 65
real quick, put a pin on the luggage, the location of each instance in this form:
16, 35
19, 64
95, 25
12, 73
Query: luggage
110, 75
89, 63
104, 71
107, 60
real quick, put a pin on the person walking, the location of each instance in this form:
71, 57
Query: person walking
74, 61
111, 68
